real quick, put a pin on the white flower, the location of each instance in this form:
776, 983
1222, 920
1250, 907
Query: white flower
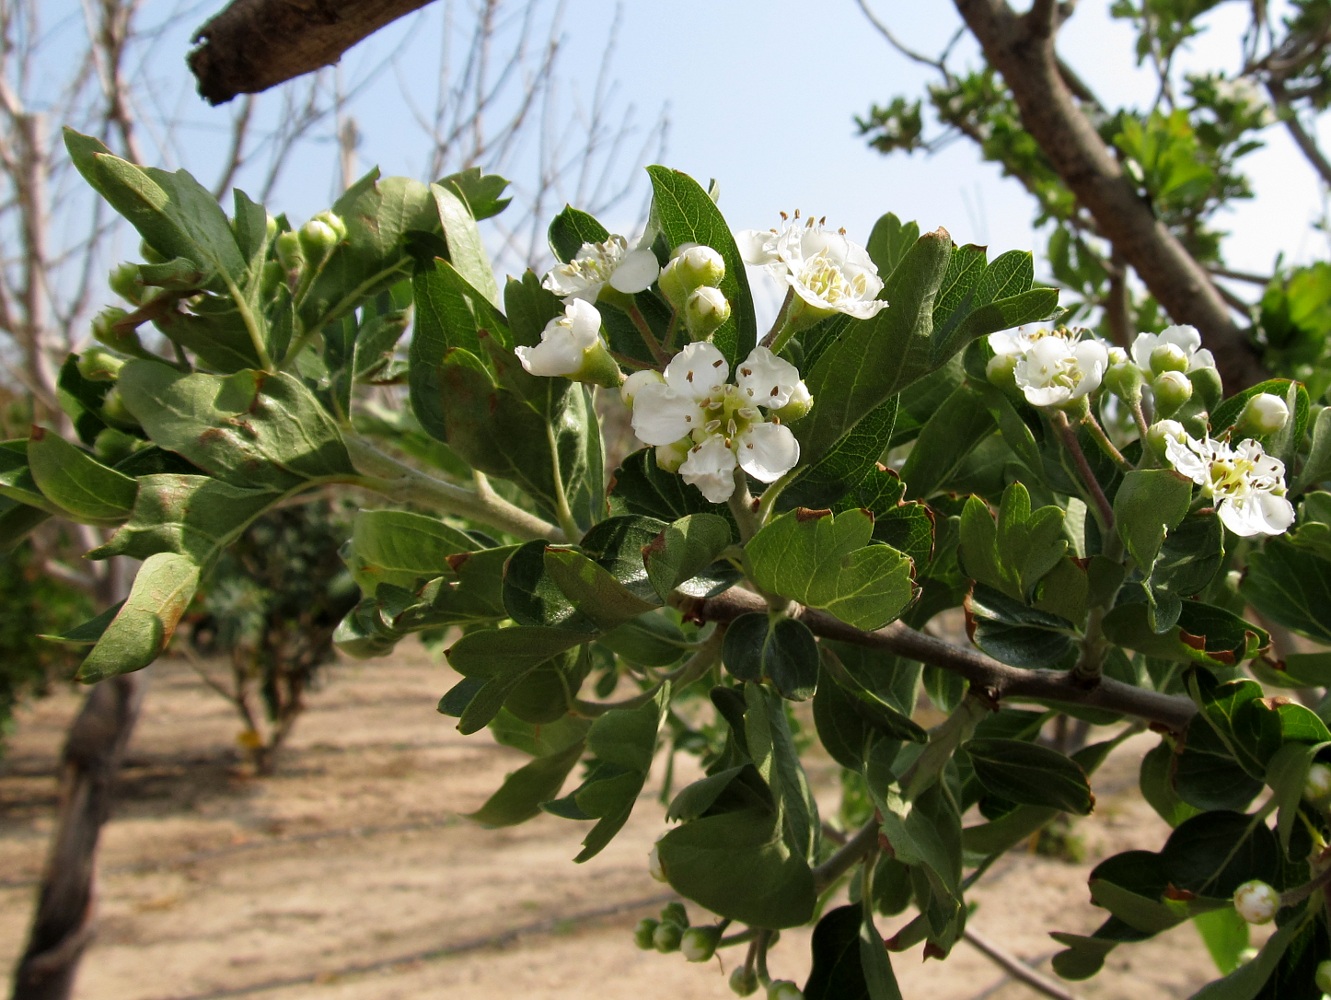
1057, 370
1247, 485
565, 342
599, 264
828, 272
1182, 344
719, 425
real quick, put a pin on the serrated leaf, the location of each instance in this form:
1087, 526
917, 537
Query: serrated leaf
1149, 503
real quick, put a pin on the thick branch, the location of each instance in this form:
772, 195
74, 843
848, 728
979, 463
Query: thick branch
995, 680
256, 44
1023, 53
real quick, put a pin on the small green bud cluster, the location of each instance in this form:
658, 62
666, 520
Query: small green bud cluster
691, 282
109, 327
743, 981
784, 989
665, 934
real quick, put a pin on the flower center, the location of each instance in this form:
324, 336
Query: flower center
1229, 477
727, 413
825, 279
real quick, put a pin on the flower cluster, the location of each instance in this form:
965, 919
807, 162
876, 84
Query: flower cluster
1247, 485
704, 426
827, 272
1051, 367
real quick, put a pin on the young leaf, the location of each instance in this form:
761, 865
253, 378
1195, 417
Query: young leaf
77, 483
162, 590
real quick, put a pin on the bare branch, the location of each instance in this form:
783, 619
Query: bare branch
996, 681
256, 44
1078, 154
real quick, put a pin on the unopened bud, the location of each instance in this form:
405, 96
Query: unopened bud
1125, 381
125, 281
654, 868
1159, 433
674, 913
1001, 370
98, 365
1322, 977
1263, 414
1171, 390
321, 235
699, 943
799, 405
642, 934
666, 937
629, 390
1168, 358
1317, 784
705, 310
1207, 386
669, 457
693, 266
290, 252
115, 412
1256, 902
784, 989
743, 981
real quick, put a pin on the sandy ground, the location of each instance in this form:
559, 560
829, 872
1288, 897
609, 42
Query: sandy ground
350, 874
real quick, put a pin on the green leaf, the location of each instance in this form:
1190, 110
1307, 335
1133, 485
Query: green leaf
466, 249
761, 647
1205, 773
519, 798
772, 748
1016, 634
957, 426
570, 229
532, 597
73, 480
1317, 466
684, 549
826, 561
593, 590
1205, 634
687, 215
401, 548
249, 428
1225, 934
1247, 981
889, 241
1149, 503
877, 710
1290, 585
848, 963
1029, 774
832, 474
140, 631
509, 651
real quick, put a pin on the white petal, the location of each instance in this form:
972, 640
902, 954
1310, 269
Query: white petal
629, 390
1185, 337
663, 416
583, 321
635, 272
1184, 457
1202, 359
1257, 513
768, 451
551, 357
756, 246
711, 467
767, 380
1142, 347
697, 370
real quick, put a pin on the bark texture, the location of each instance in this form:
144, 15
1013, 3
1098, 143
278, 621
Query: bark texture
1021, 48
256, 44
63, 925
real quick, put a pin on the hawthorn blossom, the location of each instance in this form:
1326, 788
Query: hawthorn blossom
827, 272
695, 409
1057, 369
570, 345
599, 264
1247, 485
1177, 348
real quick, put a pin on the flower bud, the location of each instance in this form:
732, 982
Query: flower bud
125, 282
636, 381
666, 937
799, 405
1322, 977
320, 236
1207, 386
1256, 902
693, 267
743, 981
109, 328
1317, 785
1168, 358
643, 933
705, 310
1263, 414
674, 913
290, 252
783, 989
1000, 370
98, 365
1171, 390
669, 457
699, 943
115, 412
1125, 381
1160, 432
149, 253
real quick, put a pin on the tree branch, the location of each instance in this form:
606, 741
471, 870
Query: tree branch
256, 44
1024, 54
994, 680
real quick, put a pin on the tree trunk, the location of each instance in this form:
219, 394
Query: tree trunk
63, 925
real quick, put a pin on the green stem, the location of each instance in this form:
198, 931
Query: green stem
1139, 418
781, 332
741, 505
770, 495
944, 739
648, 338
389, 477
847, 856
562, 510
251, 323
1107, 446
693, 668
